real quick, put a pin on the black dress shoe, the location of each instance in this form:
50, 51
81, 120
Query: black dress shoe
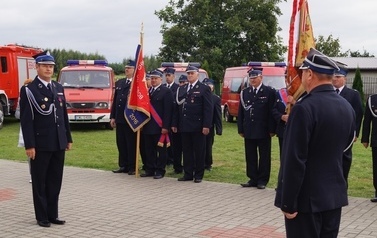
131, 172
184, 179
44, 223
57, 221
248, 185
158, 176
373, 199
261, 186
146, 175
120, 170
197, 180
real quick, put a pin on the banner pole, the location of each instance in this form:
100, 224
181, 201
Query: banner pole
138, 131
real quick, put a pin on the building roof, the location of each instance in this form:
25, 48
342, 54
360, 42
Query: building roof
361, 62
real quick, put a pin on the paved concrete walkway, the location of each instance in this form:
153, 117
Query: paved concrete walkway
103, 204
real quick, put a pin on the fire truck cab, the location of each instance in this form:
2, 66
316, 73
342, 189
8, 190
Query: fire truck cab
236, 79
16, 65
89, 90
180, 68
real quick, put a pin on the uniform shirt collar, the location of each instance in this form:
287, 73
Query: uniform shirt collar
44, 82
340, 89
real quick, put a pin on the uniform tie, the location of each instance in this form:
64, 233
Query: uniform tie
151, 91
168, 85
337, 90
190, 87
49, 86
255, 91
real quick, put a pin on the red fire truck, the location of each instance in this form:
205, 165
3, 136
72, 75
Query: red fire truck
16, 65
89, 90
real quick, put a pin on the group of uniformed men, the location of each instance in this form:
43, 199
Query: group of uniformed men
184, 113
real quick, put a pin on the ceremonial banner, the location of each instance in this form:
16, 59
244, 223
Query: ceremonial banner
137, 111
301, 39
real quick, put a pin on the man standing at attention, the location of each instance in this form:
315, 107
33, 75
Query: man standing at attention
256, 125
161, 101
193, 119
369, 137
216, 124
321, 126
125, 136
354, 98
47, 135
171, 157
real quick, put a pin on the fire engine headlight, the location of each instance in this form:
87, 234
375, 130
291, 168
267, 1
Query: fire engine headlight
102, 105
68, 105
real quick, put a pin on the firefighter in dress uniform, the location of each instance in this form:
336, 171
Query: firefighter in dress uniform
157, 128
216, 124
171, 157
256, 125
47, 135
192, 118
125, 136
369, 137
354, 98
321, 126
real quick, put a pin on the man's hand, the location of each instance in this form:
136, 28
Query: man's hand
365, 144
69, 146
205, 131
174, 129
112, 123
30, 153
241, 134
290, 215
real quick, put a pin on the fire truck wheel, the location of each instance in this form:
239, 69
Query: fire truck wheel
1, 116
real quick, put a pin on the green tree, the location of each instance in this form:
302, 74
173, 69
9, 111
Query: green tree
223, 32
358, 54
358, 84
329, 46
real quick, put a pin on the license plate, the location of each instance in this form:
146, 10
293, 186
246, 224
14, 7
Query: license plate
83, 117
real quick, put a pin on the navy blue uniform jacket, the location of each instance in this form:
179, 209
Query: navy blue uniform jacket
277, 112
196, 111
257, 122
320, 127
162, 102
45, 132
370, 120
217, 119
120, 100
354, 98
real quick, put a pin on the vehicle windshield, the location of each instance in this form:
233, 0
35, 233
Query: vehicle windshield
275, 81
84, 79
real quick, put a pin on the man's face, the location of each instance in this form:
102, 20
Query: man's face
129, 71
192, 76
45, 71
255, 82
338, 81
155, 81
169, 78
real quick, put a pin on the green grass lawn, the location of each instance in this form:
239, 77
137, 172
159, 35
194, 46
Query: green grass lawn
94, 147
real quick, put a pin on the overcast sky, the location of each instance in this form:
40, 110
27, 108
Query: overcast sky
112, 28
